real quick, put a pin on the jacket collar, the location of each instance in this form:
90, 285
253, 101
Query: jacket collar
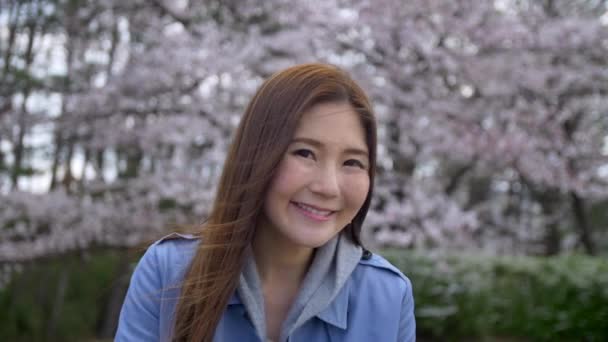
336, 313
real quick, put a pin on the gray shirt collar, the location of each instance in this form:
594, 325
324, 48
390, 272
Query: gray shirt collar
332, 265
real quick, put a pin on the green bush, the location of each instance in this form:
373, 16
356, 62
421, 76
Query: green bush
474, 296
31, 299
458, 297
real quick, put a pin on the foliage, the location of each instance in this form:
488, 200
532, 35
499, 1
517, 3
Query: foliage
542, 299
457, 296
27, 303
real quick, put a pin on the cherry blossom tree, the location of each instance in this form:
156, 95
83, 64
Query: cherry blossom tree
492, 116
498, 108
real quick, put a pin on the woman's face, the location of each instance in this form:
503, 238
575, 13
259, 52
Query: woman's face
322, 180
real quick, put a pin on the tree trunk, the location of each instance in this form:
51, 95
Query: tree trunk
578, 207
550, 202
98, 158
83, 170
134, 157
58, 136
22, 122
12, 30
58, 141
552, 240
112, 52
57, 306
457, 177
100, 165
18, 144
68, 177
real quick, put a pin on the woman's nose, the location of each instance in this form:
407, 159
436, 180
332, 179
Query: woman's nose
325, 182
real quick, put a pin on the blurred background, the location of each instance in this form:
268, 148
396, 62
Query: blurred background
492, 188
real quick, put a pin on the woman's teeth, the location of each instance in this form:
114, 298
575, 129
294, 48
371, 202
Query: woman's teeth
313, 210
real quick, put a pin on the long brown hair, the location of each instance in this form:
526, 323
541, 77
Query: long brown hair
263, 135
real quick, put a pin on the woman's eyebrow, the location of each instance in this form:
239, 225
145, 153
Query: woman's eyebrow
318, 144
309, 141
357, 151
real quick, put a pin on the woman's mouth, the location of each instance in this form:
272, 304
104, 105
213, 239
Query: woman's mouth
314, 213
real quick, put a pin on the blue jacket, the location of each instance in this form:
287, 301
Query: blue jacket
375, 303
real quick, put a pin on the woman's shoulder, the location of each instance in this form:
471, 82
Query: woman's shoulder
170, 256
380, 264
175, 243
389, 300
146, 311
382, 297
377, 272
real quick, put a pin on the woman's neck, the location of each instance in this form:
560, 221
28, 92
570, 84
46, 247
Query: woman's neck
278, 260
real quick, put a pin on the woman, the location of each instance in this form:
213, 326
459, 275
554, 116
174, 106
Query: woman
280, 257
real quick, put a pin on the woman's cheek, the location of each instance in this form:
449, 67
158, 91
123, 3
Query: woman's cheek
289, 175
356, 188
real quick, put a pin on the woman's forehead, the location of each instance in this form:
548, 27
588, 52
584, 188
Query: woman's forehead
332, 123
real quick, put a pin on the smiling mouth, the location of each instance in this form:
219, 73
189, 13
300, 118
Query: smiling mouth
312, 212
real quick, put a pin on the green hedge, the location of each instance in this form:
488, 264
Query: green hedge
463, 297
28, 302
458, 297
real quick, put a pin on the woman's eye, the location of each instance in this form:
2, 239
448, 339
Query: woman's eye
304, 153
355, 163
